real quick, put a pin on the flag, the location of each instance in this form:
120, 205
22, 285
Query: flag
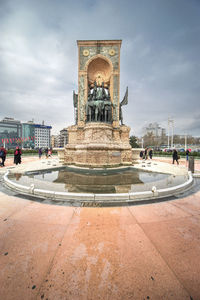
11, 141
125, 99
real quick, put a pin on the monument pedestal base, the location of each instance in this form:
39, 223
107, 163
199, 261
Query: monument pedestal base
98, 145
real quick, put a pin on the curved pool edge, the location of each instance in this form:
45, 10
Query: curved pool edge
91, 199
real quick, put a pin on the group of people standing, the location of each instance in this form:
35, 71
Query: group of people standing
148, 152
176, 157
48, 152
17, 156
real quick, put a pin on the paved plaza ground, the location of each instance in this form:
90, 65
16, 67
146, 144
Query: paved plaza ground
57, 252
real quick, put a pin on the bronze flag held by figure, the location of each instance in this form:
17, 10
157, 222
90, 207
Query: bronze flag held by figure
123, 102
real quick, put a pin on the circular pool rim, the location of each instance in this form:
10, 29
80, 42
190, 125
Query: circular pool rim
92, 199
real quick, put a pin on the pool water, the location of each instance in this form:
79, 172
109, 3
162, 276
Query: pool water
93, 181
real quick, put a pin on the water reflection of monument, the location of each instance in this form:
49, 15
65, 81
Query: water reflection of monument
98, 139
112, 182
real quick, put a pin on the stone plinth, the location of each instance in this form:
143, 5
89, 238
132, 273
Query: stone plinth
61, 154
98, 145
136, 153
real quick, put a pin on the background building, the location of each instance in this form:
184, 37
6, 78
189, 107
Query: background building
63, 138
154, 135
42, 136
10, 132
60, 140
54, 141
155, 129
26, 135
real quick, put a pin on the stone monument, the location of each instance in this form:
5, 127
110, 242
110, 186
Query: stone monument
98, 139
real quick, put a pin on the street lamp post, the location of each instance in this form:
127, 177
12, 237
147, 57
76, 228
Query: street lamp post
172, 138
171, 126
168, 133
185, 142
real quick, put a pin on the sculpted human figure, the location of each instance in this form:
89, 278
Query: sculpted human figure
108, 96
94, 97
89, 94
99, 93
104, 96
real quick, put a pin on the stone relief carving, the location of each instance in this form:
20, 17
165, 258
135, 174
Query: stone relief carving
81, 98
115, 98
104, 50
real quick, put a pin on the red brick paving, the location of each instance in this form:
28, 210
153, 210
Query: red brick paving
139, 252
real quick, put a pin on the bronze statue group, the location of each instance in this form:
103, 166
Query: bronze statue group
99, 105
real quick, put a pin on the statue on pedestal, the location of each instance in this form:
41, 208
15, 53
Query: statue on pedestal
99, 105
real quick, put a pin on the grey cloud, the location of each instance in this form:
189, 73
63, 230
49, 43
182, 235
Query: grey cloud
159, 58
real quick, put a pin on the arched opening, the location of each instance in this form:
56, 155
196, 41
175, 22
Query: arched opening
99, 70
99, 105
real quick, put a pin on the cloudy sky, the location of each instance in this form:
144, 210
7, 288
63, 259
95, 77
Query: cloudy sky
160, 58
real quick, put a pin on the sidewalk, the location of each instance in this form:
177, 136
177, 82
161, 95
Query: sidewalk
139, 252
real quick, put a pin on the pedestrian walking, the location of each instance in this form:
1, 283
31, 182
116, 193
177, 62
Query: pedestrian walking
141, 154
17, 156
146, 153
46, 152
3, 153
40, 152
175, 156
150, 153
187, 154
50, 152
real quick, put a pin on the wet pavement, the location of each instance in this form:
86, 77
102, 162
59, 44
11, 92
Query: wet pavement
57, 252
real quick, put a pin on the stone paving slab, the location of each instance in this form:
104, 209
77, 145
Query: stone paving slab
109, 262
157, 212
137, 252
27, 250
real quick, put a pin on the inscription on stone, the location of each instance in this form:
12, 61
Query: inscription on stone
116, 154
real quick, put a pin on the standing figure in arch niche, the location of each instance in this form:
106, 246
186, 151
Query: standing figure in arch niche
99, 105
94, 95
104, 95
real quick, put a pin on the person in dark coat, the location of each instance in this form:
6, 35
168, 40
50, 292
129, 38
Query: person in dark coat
46, 152
141, 154
146, 153
175, 156
40, 152
3, 153
150, 153
187, 154
17, 156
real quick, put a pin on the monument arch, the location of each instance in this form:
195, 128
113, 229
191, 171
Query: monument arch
97, 139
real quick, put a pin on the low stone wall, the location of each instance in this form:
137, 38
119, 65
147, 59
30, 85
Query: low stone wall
61, 154
91, 199
136, 154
